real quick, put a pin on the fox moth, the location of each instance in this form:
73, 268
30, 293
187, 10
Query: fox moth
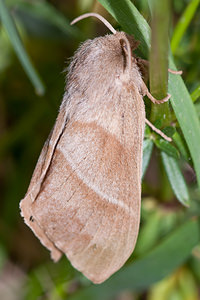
85, 193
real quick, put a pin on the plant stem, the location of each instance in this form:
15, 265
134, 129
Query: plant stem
159, 58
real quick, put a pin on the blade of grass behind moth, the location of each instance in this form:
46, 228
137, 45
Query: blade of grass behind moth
186, 116
133, 22
197, 107
195, 94
183, 24
149, 233
13, 34
130, 19
158, 67
147, 150
180, 143
171, 252
47, 12
176, 178
85, 5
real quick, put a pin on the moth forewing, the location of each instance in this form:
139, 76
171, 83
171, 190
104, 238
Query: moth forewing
37, 179
84, 197
85, 193
89, 202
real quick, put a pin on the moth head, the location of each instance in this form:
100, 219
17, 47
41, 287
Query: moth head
126, 42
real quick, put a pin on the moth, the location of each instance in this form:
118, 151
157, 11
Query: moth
85, 193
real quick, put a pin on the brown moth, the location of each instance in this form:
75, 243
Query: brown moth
85, 193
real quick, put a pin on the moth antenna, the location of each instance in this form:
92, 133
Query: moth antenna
102, 19
128, 52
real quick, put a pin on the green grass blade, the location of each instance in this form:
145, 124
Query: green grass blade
197, 107
158, 263
183, 24
176, 178
11, 29
186, 116
167, 148
149, 233
195, 94
178, 140
130, 19
133, 22
47, 12
147, 150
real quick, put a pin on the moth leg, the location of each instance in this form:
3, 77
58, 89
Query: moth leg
143, 62
175, 72
143, 65
146, 92
158, 130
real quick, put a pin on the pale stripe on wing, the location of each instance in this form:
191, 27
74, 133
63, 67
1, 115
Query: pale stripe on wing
92, 186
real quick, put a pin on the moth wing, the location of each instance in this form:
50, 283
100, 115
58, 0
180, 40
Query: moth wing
88, 203
37, 179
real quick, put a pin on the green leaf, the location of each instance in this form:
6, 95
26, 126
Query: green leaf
149, 233
169, 131
195, 94
183, 24
178, 140
133, 22
167, 147
13, 34
197, 107
176, 179
158, 123
158, 263
147, 150
186, 116
147, 132
50, 277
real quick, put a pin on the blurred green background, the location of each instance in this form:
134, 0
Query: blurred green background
36, 42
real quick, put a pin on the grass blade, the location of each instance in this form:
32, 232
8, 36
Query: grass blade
133, 22
47, 12
167, 148
149, 233
11, 29
130, 19
177, 139
186, 116
195, 94
147, 150
197, 107
183, 24
176, 178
